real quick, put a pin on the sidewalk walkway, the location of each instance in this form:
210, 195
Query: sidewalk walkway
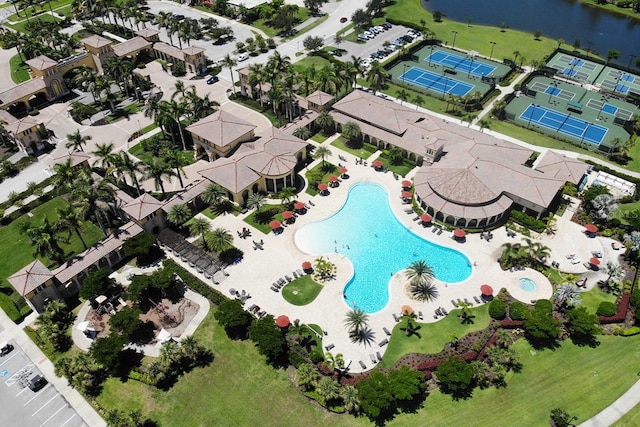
616, 410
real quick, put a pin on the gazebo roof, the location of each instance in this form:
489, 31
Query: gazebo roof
30, 277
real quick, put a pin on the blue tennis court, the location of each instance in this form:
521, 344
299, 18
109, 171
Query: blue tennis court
569, 72
609, 109
630, 78
622, 88
553, 91
577, 62
564, 123
436, 82
460, 63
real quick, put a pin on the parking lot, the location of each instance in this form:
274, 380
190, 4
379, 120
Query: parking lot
364, 49
20, 406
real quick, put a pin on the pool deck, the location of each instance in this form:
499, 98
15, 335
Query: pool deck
280, 257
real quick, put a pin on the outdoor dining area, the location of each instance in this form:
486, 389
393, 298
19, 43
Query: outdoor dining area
590, 230
459, 235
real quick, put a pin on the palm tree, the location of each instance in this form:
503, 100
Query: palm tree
325, 122
104, 154
411, 328
613, 271
465, 312
46, 239
157, 170
423, 291
603, 205
65, 174
504, 338
402, 95
220, 239
321, 152
349, 396
356, 320
256, 201
93, 198
71, 218
213, 194
76, 141
126, 163
176, 161
327, 389
200, 226
230, 62
418, 100
302, 132
179, 214
419, 272
176, 110
364, 336
190, 347
567, 294
306, 376
352, 131
376, 76
512, 252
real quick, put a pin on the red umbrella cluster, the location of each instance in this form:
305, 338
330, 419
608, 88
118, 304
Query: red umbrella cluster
486, 290
459, 233
333, 178
323, 186
376, 164
306, 265
591, 228
299, 206
283, 321
406, 183
342, 170
426, 218
594, 261
407, 195
287, 214
275, 224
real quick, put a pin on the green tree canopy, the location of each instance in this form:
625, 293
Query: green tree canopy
267, 336
455, 376
97, 283
139, 245
106, 351
126, 321
233, 318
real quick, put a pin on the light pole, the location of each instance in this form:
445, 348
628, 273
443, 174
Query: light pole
469, 73
455, 33
531, 115
430, 55
493, 44
603, 99
404, 72
553, 91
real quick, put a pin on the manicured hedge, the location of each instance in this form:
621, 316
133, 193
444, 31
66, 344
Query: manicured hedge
194, 283
635, 298
511, 324
606, 309
518, 310
497, 309
528, 221
619, 316
634, 330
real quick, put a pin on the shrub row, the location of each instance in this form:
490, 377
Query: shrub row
518, 310
623, 306
528, 221
194, 283
511, 324
8, 219
634, 330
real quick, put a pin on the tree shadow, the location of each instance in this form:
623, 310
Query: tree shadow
585, 340
128, 360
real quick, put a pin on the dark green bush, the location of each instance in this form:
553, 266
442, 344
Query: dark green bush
528, 221
544, 305
607, 309
497, 309
635, 298
518, 310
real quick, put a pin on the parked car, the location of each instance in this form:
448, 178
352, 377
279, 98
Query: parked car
343, 20
37, 382
336, 52
387, 26
243, 57
362, 37
5, 348
380, 28
213, 79
178, 16
369, 34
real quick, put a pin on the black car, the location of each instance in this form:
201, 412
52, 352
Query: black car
5, 349
178, 16
213, 79
37, 382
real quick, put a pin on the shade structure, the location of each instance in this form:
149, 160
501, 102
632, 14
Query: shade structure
426, 218
459, 232
591, 228
283, 321
406, 183
306, 265
333, 178
275, 224
376, 163
100, 299
594, 261
486, 290
406, 309
287, 214
298, 206
322, 186
407, 195
343, 170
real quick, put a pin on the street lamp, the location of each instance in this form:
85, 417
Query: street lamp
404, 72
493, 44
455, 33
531, 115
553, 91
430, 55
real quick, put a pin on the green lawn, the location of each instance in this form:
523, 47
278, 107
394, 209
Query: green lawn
624, 211
311, 61
262, 24
19, 70
331, 170
16, 250
434, 336
301, 291
21, 26
319, 138
590, 300
581, 380
237, 389
147, 157
402, 170
365, 152
631, 419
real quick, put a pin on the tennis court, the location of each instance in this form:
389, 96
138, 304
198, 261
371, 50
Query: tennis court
564, 123
458, 62
607, 108
436, 82
552, 90
571, 67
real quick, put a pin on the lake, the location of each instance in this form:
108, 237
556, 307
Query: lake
557, 19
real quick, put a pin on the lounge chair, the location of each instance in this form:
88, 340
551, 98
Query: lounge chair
329, 347
408, 211
362, 365
466, 300
295, 275
378, 355
386, 331
252, 307
396, 318
434, 229
383, 342
477, 300
439, 231
420, 315
300, 272
444, 312
373, 358
289, 279
455, 304
417, 218
274, 289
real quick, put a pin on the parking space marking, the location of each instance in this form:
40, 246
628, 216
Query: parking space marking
72, 417
35, 395
16, 354
53, 415
42, 407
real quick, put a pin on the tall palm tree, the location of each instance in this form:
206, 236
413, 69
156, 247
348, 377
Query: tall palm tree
356, 69
131, 167
65, 174
325, 122
306, 376
256, 201
179, 214
220, 239
213, 194
419, 272
176, 110
567, 294
350, 398
364, 336
356, 320
200, 226
402, 95
76, 141
174, 160
302, 132
94, 198
46, 239
376, 76
423, 291
158, 170
327, 389
71, 218
613, 271
104, 154
352, 131
230, 62
321, 152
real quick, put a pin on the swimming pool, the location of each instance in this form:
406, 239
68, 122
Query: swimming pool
367, 232
527, 284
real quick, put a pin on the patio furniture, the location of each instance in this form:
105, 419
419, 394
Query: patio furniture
329, 347
362, 365
383, 342
274, 289
396, 318
477, 300
295, 275
372, 357
378, 355
289, 279
386, 331
420, 315
454, 303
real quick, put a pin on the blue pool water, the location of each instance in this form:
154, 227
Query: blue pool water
368, 233
527, 284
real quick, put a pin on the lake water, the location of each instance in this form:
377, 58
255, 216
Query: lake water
557, 19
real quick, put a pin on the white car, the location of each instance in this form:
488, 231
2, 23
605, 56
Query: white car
243, 57
363, 37
379, 28
369, 34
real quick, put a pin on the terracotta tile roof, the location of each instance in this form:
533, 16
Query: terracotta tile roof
169, 50
83, 260
41, 62
75, 157
131, 46
30, 277
193, 50
96, 41
18, 92
221, 128
562, 167
190, 192
320, 98
147, 32
142, 207
20, 125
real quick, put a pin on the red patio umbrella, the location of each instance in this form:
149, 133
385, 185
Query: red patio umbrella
322, 186
594, 261
591, 228
459, 232
407, 195
283, 321
406, 183
306, 265
287, 214
406, 309
275, 224
426, 218
333, 178
298, 206
376, 164
486, 290
342, 170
